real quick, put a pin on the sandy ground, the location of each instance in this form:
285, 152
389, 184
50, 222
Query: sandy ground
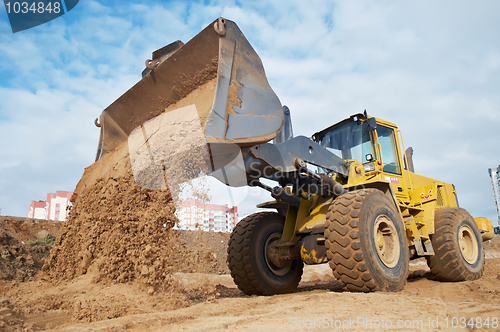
212, 302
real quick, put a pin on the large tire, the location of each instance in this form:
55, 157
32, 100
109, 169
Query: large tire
366, 242
250, 256
457, 246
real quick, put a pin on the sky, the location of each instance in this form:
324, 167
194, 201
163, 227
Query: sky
433, 68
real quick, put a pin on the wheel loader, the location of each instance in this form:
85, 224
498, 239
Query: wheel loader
347, 196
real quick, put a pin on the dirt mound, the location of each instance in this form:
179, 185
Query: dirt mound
21, 255
493, 244
18, 261
91, 297
121, 232
492, 247
26, 229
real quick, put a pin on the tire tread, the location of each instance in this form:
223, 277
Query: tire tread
344, 249
343, 246
447, 263
239, 257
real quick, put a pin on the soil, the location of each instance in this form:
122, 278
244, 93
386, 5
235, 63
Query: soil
201, 296
55, 298
23, 246
117, 264
26, 229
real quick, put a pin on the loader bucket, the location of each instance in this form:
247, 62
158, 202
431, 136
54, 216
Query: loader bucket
219, 73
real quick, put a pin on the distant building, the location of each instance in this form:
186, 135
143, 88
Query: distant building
36, 210
495, 182
53, 208
194, 214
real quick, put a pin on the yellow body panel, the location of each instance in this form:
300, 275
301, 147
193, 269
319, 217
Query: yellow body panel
485, 227
315, 216
311, 257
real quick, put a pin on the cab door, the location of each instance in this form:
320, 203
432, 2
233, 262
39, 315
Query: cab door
391, 161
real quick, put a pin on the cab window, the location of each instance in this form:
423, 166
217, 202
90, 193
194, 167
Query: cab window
387, 141
349, 140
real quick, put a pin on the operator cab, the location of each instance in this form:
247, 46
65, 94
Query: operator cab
368, 141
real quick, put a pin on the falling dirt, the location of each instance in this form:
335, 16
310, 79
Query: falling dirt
202, 96
186, 85
122, 232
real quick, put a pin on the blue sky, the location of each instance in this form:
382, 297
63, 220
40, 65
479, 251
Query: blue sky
433, 68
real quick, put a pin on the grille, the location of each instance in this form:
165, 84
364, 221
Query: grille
440, 196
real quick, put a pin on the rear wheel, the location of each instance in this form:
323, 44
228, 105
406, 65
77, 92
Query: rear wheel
457, 246
253, 256
366, 242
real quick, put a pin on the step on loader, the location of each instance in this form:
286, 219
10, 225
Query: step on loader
348, 196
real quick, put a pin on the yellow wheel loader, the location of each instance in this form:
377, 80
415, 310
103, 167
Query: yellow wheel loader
348, 196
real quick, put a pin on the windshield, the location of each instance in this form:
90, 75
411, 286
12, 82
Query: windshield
350, 140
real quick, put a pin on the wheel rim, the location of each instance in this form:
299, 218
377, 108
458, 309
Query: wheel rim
386, 241
278, 266
468, 244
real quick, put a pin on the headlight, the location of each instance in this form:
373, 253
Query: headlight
369, 167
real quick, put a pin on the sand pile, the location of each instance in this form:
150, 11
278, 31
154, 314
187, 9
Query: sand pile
121, 232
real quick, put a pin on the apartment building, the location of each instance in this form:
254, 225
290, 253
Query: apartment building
194, 214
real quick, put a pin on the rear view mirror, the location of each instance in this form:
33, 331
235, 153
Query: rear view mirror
372, 123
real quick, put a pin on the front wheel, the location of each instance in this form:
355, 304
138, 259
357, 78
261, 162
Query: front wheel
253, 256
366, 242
457, 245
